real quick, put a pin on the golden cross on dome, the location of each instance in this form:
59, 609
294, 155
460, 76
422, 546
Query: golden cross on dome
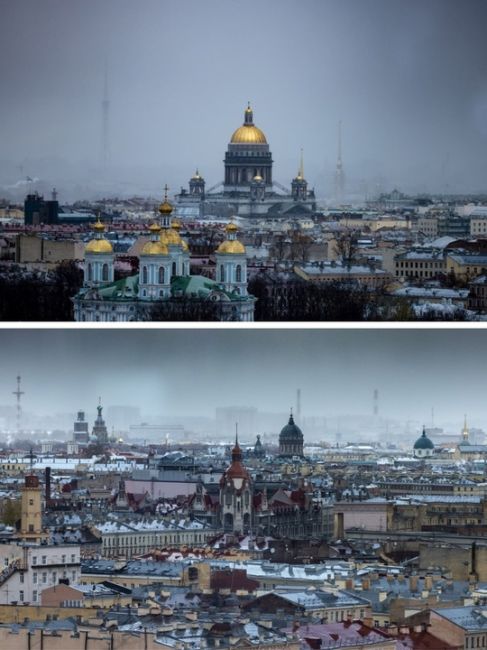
166, 187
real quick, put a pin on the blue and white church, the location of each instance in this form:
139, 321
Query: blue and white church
164, 276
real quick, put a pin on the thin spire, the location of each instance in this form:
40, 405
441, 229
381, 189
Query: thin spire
301, 165
236, 434
340, 141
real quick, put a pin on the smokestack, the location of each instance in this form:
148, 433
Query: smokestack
48, 485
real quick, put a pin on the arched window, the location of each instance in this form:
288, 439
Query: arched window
238, 273
174, 268
222, 273
90, 272
144, 275
161, 275
104, 273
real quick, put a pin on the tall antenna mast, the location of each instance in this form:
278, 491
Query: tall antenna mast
18, 394
339, 173
105, 107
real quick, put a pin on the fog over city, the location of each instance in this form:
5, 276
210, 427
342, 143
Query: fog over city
407, 79
191, 373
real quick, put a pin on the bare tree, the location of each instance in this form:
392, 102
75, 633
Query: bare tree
346, 245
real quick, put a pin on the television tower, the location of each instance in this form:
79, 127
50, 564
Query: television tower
339, 173
105, 108
376, 402
18, 394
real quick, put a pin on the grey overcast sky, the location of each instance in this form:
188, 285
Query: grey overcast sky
192, 372
407, 78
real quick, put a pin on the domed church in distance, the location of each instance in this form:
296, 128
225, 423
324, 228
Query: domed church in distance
248, 189
423, 447
291, 439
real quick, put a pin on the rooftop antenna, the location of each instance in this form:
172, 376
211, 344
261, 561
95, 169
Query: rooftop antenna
18, 394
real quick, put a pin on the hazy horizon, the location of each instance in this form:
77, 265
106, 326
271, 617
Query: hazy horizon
408, 81
193, 372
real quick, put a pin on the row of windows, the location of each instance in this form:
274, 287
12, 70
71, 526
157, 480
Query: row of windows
420, 265
44, 559
117, 541
43, 578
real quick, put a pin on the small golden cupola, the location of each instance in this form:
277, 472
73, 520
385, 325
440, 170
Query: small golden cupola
99, 244
154, 246
165, 209
231, 246
168, 236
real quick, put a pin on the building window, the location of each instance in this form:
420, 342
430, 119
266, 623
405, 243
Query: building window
44, 577
34, 596
34, 578
90, 273
44, 559
104, 273
21, 578
222, 273
161, 275
144, 274
174, 268
34, 559
238, 273
21, 596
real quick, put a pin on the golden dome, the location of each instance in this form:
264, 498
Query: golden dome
154, 228
165, 207
231, 247
99, 246
231, 227
98, 226
258, 177
170, 237
248, 134
155, 248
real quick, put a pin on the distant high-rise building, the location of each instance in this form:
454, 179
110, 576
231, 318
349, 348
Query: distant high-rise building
465, 433
80, 429
339, 172
37, 210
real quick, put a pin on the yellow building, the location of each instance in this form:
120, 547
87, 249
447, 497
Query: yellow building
35, 249
466, 267
31, 511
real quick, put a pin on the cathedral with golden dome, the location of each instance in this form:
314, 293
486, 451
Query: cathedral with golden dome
248, 189
164, 285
